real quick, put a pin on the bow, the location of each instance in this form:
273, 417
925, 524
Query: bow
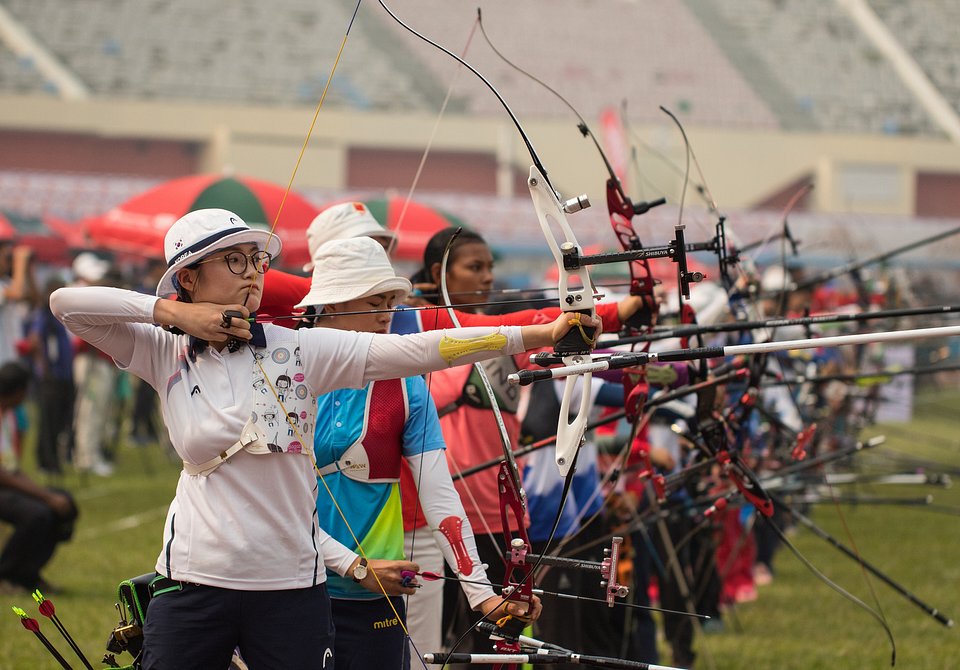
620, 208
576, 300
512, 498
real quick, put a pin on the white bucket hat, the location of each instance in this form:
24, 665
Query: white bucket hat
775, 279
343, 221
353, 268
710, 302
90, 267
200, 233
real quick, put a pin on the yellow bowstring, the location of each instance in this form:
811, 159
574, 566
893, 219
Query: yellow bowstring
308, 445
308, 448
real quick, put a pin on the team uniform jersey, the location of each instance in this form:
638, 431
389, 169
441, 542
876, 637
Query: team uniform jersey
372, 508
251, 524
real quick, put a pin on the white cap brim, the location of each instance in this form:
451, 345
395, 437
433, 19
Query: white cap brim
264, 239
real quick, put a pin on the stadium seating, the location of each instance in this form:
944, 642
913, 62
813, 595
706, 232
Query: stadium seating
761, 64
18, 75
810, 61
280, 53
928, 30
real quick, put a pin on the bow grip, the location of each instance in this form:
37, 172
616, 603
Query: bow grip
510, 631
579, 339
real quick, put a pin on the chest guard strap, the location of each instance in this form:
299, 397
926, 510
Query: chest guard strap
375, 456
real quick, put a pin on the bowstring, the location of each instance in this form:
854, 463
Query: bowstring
295, 427
433, 134
390, 248
310, 128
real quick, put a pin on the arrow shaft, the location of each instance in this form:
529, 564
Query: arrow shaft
70, 641
53, 650
878, 375
782, 322
618, 361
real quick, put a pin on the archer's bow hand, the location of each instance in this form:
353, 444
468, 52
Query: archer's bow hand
635, 311
549, 334
495, 608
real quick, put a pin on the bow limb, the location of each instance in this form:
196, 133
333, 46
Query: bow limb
513, 500
619, 206
548, 207
505, 441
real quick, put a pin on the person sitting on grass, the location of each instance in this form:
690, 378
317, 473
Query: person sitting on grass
41, 517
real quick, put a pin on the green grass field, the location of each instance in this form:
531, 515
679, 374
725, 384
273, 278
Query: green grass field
797, 622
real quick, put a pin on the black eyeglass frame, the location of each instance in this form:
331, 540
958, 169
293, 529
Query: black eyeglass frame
260, 259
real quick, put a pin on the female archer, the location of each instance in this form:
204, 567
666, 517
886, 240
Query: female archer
282, 291
243, 558
362, 437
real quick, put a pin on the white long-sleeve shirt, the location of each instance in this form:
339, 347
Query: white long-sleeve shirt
251, 524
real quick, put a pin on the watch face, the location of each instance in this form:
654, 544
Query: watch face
360, 572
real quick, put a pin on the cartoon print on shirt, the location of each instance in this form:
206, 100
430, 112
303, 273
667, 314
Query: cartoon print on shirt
283, 385
284, 400
296, 358
293, 421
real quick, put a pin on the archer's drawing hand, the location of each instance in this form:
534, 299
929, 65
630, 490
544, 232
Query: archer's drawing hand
206, 321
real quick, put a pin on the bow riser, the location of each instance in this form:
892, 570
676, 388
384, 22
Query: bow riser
551, 216
579, 341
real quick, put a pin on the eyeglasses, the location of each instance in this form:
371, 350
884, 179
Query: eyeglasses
237, 261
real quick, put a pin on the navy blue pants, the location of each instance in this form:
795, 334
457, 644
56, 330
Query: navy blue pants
369, 635
199, 627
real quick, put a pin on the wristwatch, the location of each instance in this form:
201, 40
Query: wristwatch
360, 571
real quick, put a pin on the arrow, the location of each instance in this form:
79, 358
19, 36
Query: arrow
618, 361
48, 610
856, 265
33, 626
660, 333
